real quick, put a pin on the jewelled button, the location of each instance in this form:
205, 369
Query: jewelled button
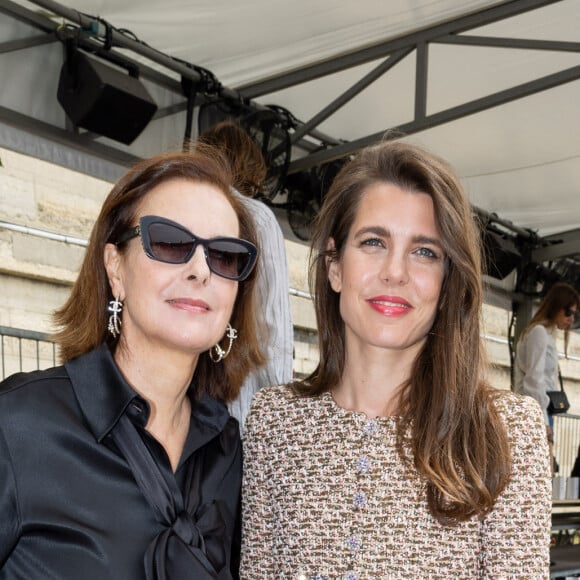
363, 464
354, 543
359, 500
370, 428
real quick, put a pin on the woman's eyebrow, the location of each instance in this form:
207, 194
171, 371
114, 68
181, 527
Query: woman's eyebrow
427, 240
385, 233
375, 230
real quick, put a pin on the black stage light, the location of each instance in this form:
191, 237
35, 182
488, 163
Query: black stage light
103, 99
501, 255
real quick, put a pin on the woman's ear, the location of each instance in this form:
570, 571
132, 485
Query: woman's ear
112, 260
333, 266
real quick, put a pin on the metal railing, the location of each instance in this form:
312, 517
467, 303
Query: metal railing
25, 350
566, 441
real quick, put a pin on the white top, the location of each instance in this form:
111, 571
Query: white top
536, 365
273, 285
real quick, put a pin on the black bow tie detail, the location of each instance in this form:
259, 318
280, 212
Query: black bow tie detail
192, 544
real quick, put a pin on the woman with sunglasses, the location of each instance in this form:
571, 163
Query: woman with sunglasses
124, 462
395, 458
536, 365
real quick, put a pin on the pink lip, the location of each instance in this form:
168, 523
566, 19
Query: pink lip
189, 304
390, 305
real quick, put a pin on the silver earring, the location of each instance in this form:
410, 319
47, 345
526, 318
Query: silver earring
114, 326
220, 353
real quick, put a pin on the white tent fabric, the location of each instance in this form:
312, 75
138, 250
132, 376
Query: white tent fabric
242, 42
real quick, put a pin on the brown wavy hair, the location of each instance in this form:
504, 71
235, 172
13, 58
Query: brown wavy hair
559, 297
82, 321
445, 409
242, 152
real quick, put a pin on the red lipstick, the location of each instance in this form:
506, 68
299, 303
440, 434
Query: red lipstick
190, 305
390, 305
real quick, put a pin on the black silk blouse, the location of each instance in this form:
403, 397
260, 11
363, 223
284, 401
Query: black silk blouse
70, 507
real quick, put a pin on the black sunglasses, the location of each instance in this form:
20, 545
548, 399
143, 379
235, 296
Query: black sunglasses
569, 312
167, 241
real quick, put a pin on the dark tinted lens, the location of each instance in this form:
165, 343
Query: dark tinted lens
569, 312
227, 257
169, 244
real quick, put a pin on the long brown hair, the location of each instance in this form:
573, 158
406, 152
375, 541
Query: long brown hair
244, 155
82, 321
458, 440
559, 297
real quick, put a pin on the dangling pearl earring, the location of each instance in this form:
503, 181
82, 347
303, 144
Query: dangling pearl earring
220, 353
114, 326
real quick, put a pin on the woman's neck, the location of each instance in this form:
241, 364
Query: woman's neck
371, 385
164, 383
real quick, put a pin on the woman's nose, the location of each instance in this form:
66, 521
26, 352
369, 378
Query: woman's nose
197, 266
395, 269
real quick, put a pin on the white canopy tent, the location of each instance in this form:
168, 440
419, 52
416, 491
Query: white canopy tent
490, 85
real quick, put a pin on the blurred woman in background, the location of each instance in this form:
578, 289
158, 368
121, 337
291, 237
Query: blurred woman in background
536, 366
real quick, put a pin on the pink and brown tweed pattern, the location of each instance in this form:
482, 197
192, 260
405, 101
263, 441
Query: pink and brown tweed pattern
326, 496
